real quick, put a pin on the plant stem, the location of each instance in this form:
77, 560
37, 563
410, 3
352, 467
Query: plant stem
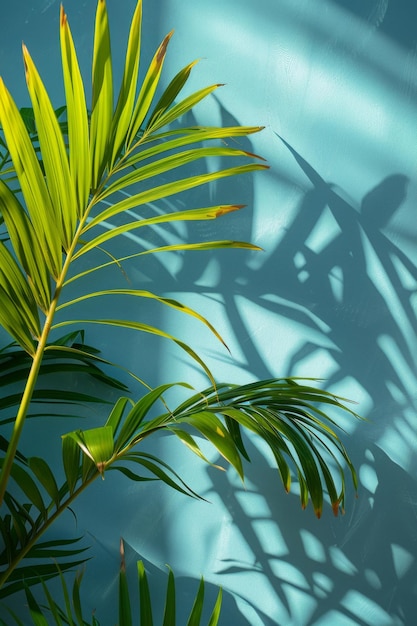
34, 371
23, 408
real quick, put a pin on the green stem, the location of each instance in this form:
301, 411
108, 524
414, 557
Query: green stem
24, 407
25, 549
34, 372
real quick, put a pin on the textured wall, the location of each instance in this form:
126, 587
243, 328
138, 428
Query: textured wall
333, 295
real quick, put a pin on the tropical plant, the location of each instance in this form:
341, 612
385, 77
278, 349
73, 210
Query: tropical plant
65, 173
71, 610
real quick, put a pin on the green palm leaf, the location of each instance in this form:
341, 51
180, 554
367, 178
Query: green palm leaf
69, 355
77, 115
32, 575
181, 108
123, 114
146, 328
18, 313
54, 155
140, 293
171, 140
102, 101
26, 246
147, 91
43, 213
282, 412
70, 610
169, 95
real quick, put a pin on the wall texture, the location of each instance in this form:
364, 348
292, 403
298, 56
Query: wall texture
332, 296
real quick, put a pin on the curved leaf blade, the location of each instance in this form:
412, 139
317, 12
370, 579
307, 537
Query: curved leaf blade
71, 454
124, 108
43, 214
182, 107
169, 95
26, 246
102, 99
125, 611
45, 476
18, 313
29, 487
173, 140
145, 597
146, 328
77, 115
54, 154
170, 608
140, 293
147, 91
169, 163
197, 609
96, 443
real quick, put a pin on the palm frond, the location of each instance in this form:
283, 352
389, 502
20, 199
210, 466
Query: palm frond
282, 412
70, 610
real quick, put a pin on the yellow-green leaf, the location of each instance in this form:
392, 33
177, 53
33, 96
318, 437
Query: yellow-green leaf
54, 154
26, 246
77, 116
123, 114
174, 139
129, 324
147, 91
44, 216
170, 94
165, 190
102, 100
213, 429
97, 444
140, 293
18, 310
183, 107
171, 162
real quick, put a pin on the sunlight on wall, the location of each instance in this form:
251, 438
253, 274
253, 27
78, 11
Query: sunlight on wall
333, 296
334, 293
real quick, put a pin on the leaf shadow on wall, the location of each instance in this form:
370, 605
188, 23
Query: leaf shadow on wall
367, 329
361, 566
360, 288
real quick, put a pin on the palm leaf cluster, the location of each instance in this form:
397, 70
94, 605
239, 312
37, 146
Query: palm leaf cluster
25, 518
65, 175
70, 610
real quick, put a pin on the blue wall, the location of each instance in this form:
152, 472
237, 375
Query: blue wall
333, 296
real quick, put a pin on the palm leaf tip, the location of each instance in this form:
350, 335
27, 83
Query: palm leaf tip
62, 16
224, 210
336, 507
163, 47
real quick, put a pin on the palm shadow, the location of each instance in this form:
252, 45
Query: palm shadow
356, 288
333, 566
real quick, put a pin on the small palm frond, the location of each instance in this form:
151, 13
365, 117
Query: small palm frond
28, 511
285, 414
70, 611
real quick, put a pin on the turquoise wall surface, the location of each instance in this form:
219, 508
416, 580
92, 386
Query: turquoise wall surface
333, 295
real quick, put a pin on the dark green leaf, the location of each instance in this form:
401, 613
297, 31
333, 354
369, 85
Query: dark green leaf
145, 598
196, 611
125, 612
